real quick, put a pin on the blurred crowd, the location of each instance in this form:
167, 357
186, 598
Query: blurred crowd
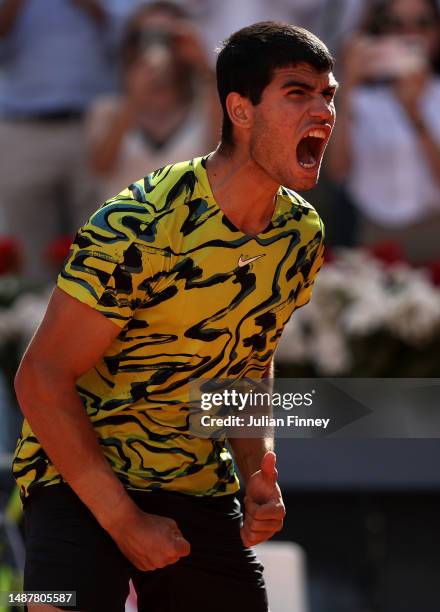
384, 159
94, 95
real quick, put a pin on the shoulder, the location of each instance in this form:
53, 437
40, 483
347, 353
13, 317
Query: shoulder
167, 187
298, 202
305, 216
135, 214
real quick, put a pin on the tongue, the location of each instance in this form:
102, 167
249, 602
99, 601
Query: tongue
305, 153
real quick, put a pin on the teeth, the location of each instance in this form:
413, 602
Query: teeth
317, 134
304, 165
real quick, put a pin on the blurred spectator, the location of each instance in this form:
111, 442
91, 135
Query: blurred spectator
386, 146
54, 59
217, 20
168, 109
329, 19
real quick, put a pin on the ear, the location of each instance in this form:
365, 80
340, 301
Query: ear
239, 110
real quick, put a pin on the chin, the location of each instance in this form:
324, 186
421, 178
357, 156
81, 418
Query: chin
301, 182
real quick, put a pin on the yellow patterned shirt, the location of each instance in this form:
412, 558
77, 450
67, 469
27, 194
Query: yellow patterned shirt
194, 297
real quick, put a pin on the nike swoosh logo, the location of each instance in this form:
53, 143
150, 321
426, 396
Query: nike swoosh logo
244, 262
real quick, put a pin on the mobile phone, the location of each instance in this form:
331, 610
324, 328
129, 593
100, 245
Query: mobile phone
394, 58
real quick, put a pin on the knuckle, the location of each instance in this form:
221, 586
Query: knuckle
171, 523
254, 537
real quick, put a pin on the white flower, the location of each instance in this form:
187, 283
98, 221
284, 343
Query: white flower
414, 312
330, 353
356, 295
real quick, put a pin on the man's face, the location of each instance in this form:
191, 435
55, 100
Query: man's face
292, 125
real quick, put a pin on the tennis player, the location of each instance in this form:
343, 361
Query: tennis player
190, 272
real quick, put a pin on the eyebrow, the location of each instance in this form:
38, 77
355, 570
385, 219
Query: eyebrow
293, 83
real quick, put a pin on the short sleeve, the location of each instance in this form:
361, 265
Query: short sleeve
109, 267
312, 263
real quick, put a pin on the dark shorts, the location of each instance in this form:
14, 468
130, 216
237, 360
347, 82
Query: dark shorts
67, 550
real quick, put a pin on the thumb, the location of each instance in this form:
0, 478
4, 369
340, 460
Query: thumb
181, 545
268, 468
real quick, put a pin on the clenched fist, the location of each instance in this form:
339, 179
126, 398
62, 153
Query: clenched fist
149, 541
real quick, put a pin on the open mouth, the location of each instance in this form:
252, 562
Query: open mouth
310, 148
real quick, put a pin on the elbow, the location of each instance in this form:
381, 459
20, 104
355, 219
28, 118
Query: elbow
23, 383
32, 384
39, 382
20, 379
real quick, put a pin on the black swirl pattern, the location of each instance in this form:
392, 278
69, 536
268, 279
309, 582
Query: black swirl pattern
194, 298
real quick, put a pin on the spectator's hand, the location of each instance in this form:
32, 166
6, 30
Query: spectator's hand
264, 507
189, 47
140, 84
409, 90
147, 540
358, 61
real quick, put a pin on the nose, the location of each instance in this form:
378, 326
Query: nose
322, 109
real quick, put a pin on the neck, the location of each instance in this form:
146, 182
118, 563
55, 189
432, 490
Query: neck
242, 189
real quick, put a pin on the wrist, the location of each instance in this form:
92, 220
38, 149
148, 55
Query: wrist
119, 516
113, 518
249, 460
104, 495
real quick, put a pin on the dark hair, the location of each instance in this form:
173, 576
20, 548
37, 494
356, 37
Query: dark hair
248, 58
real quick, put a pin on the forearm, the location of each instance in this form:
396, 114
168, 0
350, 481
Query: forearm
409, 93
248, 452
105, 151
9, 12
58, 419
428, 144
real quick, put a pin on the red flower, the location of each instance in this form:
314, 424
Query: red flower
329, 255
387, 251
434, 269
10, 255
57, 250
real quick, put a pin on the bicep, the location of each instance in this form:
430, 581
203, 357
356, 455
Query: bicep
72, 336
